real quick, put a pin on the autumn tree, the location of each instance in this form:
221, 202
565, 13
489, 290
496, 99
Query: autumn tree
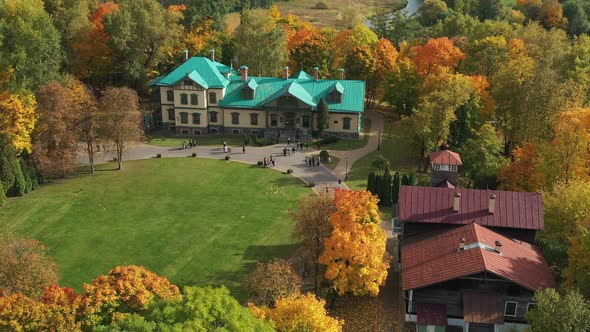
17, 118
523, 173
386, 56
199, 309
125, 289
120, 119
87, 120
565, 206
355, 254
403, 88
566, 311
551, 15
482, 155
431, 11
442, 95
435, 54
272, 281
309, 47
568, 154
299, 313
139, 33
55, 140
201, 38
25, 266
261, 43
485, 56
93, 56
312, 227
30, 44
576, 273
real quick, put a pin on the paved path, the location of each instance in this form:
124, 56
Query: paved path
319, 175
354, 155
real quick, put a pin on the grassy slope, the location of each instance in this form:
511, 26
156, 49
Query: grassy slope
195, 221
394, 148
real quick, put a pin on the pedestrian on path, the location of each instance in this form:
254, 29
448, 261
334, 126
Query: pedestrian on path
274, 162
243, 149
264, 162
284, 152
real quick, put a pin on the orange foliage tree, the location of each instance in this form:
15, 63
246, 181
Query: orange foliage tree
299, 313
436, 53
523, 173
355, 253
569, 153
93, 54
125, 289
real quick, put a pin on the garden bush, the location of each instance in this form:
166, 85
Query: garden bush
324, 156
194, 154
2, 195
20, 184
289, 171
159, 155
260, 163
329, 140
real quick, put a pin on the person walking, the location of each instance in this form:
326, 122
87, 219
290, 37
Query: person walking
244, 149
274, 162
264, 162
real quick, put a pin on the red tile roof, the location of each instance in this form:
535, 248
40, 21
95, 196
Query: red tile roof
485, 308
436, 259
446, 157
435, 205
431, 314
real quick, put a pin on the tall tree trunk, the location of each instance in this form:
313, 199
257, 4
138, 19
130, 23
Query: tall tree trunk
90, 149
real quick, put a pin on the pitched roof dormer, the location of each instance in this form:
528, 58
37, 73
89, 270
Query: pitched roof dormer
249, 89
336, 94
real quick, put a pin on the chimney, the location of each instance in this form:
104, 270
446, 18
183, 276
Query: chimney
498, 247
462, 243
286, 71
341, 70
457, 202
212, 55
492, 205
316, 73
185, 52
244, 72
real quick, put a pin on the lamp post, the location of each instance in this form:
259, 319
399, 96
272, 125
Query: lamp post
379, 141
346, 170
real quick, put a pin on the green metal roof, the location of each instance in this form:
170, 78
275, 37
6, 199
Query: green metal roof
301, 75
198, 79
252, 84
209, 71
301, 86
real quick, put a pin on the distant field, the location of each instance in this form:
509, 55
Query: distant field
195, 221
333, 16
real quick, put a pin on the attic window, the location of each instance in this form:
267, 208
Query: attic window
510, 309
247, 94
334, 97
188, 82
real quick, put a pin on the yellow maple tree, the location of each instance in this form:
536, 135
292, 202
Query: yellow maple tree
355, 256
17, 116
299, 312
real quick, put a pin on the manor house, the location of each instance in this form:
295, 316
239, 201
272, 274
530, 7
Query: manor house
202, 96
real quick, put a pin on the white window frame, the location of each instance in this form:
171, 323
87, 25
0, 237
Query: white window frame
515, 308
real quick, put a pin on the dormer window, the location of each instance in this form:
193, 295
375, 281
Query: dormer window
335, 97
247, 93
188, 82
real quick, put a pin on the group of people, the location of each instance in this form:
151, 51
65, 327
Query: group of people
312, 161
296, 145
269, 162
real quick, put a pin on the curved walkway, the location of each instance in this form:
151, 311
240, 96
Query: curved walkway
320, 175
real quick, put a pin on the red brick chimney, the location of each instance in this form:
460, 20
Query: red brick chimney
457, 202
286, 72
316, 73
185, 52
462, 243
492, 204
244, 72
212, 55
498, 247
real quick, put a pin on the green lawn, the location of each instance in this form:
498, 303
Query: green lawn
195, 221
395, 148
163, 138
